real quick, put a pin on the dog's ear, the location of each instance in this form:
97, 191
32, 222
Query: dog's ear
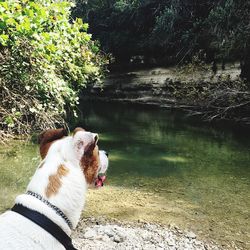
84, 142
78, 129
90, 163
46, 138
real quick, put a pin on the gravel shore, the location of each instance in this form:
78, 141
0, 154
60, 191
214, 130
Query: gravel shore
100, 234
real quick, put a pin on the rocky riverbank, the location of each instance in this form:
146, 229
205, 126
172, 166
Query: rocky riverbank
131, 210
154, 86
101, 234
198, 90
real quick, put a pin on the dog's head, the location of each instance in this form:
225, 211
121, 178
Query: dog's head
80, 148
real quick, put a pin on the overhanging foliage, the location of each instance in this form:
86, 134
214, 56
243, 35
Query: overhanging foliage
46, 59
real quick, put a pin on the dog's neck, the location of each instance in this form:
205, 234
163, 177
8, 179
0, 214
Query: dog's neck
65, 189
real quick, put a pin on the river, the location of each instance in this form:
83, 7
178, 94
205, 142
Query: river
164, 168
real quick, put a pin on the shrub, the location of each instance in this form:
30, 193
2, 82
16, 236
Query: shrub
46, 60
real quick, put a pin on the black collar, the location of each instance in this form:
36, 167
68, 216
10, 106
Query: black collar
55, 208
45, 223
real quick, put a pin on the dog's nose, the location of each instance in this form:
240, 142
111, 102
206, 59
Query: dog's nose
106, 153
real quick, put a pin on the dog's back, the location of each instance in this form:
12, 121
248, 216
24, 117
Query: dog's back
19, 233
15, 232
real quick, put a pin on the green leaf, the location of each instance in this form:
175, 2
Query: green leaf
11, 21
26, 24
9, 121
85, 26
4, 39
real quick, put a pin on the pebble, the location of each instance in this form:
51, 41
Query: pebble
191, 235
109, 236
90, 234
117, 239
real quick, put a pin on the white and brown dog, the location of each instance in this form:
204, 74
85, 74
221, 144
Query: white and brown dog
45, 215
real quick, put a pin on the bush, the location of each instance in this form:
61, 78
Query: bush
45, 61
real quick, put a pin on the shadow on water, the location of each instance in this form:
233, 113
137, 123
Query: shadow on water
201, 169
159, 143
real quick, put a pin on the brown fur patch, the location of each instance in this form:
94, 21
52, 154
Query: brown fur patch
90, 164
47, 137
55, 181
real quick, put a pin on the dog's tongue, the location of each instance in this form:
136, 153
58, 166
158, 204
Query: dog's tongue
100, 180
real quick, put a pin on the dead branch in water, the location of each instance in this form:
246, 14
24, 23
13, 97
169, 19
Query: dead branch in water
227, 104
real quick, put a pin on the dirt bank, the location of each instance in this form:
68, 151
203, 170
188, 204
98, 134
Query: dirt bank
121, 205
220, 95
152, 86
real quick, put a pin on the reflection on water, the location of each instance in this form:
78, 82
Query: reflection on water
156, 143
199, 170
202, 169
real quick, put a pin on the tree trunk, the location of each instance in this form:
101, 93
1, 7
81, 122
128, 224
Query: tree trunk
245, 66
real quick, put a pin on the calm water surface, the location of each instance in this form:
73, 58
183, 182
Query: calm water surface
204, 169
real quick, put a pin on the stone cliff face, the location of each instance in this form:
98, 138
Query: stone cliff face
155, 86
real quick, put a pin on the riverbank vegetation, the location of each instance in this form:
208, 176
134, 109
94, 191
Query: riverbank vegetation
191, 35
46, 59
170, 32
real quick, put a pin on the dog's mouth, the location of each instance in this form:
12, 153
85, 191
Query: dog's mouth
99, 182
104, 162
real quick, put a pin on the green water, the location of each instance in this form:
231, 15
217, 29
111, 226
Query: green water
203, 169
18, 162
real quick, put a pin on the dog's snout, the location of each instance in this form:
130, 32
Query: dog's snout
106, 153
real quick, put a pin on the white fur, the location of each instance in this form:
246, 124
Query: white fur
17, 232
104, 163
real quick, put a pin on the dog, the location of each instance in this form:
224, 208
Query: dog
44, 217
